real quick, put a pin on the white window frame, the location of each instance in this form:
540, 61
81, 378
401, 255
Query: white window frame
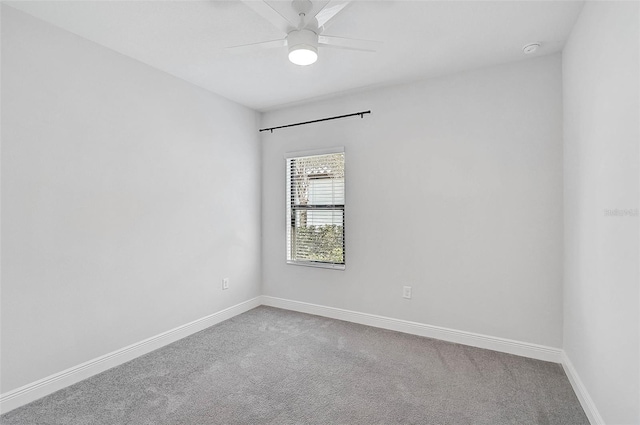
317, 264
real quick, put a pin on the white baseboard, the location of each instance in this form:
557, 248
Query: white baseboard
35, 390
534, 351
581, 391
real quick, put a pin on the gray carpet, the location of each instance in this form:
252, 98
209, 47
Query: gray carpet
271, 366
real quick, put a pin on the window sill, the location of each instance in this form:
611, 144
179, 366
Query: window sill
317, 265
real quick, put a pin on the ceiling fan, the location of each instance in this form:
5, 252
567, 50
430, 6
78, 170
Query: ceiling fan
304, 37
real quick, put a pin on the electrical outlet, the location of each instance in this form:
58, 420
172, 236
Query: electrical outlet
225, 283
406, 292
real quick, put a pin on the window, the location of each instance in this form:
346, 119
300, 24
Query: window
315, 210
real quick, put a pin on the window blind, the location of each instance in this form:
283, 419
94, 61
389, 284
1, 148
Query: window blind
315, 210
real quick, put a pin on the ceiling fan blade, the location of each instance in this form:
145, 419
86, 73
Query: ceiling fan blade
348, 43
265, 10
254, 47
329, 11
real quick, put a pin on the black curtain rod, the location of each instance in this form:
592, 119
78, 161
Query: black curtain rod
362, 114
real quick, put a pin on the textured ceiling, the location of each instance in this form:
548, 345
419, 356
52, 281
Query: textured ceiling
420, 39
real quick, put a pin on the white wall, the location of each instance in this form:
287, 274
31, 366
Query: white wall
127, 195
601, 134
454, 187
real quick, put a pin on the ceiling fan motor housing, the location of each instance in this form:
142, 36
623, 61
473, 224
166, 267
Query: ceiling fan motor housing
302, 39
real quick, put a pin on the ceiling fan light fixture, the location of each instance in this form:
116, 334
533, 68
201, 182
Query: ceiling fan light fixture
303, 55
303, 47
